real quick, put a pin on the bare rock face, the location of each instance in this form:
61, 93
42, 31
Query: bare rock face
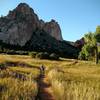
20, 24
53, 29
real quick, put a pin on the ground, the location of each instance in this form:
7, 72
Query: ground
66, 79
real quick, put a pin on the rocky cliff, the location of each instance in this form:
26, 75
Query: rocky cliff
53, 29
22, 30
19, 25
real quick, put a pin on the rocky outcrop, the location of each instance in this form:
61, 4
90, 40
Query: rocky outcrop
53, 29
19, 25
79, 43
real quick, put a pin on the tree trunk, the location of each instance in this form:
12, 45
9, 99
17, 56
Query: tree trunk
97, 60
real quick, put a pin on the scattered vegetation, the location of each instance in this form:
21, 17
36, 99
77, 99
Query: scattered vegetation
44, 55
32, 54
54, 56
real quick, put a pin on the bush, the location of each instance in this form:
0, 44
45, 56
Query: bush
42, 55
32, 54
54, 56
82, 56
87, 52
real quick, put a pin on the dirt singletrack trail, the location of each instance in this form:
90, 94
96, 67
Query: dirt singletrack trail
45, 91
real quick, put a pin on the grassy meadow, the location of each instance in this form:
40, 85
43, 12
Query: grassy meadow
80, 81
70, 79
18, 80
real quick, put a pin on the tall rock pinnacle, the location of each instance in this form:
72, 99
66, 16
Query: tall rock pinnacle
18, 26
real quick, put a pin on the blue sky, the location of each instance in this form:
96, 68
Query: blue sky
76, 17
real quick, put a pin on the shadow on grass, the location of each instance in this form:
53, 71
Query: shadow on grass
6, 64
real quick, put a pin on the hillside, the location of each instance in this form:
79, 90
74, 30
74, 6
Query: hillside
22, 29
18, 26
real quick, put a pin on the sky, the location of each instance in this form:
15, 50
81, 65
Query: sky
75, 17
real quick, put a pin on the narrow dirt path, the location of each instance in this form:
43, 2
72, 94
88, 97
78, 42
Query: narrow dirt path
45, 92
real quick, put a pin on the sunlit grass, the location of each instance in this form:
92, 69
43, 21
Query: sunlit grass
18, 82
14, 89
74, 82
34, 73
70, 80
27, 60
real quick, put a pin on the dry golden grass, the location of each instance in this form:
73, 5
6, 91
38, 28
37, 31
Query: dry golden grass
70, 80
18, 82
14, 89
76, 82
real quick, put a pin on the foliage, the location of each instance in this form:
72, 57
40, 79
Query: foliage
46, 55
88, 50
98, 33
82, 56
43, 55
40, 55
32, 54
90, 38
54, 56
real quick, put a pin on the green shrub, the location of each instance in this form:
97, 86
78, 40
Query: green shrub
44, 55
82, 56
87, 52
32, 54
54, 56
40, 55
